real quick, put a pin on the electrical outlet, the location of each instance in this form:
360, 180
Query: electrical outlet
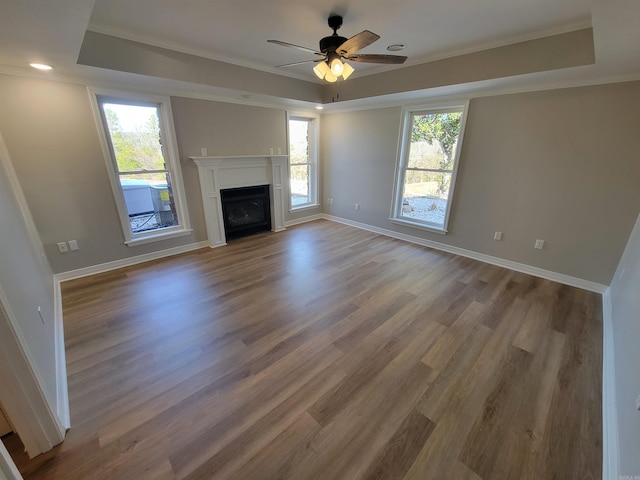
357, 207
330, 201
203, 151
497, 236
271, 151
73, 245
539, 244
62, 247
279, 151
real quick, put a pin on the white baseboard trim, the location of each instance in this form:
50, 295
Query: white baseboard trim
310, 218
126, 262
610, 446
500, 262
62, 388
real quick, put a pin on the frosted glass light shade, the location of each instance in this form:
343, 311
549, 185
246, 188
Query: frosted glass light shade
321, 69
347, 70
330, 77
336, 67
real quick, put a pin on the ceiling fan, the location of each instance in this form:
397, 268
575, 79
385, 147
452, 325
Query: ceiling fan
335, 49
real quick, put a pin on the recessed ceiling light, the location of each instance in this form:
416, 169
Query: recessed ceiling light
319, 107
41, 66
396, 47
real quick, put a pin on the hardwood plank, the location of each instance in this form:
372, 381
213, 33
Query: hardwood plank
439, 355
276, 459
400, 451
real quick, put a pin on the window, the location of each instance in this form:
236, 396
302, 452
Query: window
302, 162
427, 164
140, 145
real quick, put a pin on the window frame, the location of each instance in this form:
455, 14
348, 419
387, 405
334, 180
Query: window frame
402, 161
172, 157
314, 130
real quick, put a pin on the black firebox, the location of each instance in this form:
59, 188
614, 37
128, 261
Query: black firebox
246, 210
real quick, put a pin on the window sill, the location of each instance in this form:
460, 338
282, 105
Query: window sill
419, 226
304, 207
158, 237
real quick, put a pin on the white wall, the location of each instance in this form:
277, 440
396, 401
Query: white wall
625, 306
27, 282
559, 165
32, 372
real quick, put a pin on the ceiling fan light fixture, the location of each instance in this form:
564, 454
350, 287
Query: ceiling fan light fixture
347, 70
321, 69
334, 48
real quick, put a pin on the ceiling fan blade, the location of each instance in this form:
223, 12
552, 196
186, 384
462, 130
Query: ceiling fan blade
285, 44
357, 42
300, 63
373, 58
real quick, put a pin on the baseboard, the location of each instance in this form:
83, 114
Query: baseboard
62, 388
610, 447
500, 262
310, 218
127, 262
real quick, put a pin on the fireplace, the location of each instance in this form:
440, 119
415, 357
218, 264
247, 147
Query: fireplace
218, 174
245, 210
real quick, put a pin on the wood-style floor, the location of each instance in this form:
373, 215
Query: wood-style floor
327, 352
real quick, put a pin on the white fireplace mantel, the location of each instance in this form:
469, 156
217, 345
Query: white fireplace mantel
218, 173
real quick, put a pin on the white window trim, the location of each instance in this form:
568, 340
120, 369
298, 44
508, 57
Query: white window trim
402, 158
314, 164
173, 157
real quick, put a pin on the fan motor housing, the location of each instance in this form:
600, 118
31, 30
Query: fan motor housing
331, 43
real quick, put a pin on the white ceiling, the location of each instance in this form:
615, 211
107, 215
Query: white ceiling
236, 31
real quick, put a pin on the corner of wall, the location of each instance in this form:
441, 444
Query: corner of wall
62, 390
610, 448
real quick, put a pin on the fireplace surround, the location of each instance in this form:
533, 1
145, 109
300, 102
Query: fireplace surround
229, 172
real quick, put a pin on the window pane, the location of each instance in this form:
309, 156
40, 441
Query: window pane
149, 200
434, 137
298, 141
299, 182
135, 136
425, 196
